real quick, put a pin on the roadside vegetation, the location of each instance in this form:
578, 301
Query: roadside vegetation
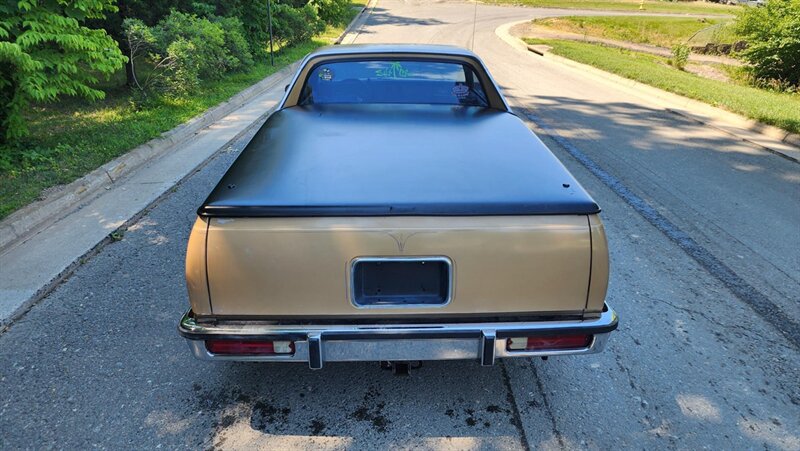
778, 108
659, 31
757, 76
166, 70
773, 37
629, 5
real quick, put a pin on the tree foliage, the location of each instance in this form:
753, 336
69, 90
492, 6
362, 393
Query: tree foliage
50, 48
183, 49
293, 21
294, 25
332, 12
772, 33
46, 51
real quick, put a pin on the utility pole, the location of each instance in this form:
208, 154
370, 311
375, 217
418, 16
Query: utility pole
269, 13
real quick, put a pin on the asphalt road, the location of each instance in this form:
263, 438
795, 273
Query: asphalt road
697, 362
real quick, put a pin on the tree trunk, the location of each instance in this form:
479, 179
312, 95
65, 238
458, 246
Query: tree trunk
8, 89
130, 80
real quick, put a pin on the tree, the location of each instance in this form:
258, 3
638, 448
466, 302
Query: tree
46, 51
772, 33
147, 11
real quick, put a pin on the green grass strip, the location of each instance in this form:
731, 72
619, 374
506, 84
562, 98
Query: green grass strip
661, 31
628, 5
774, 108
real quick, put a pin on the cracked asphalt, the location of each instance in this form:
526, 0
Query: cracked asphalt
98, 362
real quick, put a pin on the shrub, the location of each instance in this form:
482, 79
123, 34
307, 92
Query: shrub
295, 25
253, 16
182, 67
772, 33
183, 49
680, 56
207, 50
235, 42
332, 12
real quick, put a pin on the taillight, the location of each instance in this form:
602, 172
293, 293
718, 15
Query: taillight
547, 343
249, 347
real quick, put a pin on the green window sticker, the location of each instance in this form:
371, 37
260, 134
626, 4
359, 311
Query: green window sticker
395, 70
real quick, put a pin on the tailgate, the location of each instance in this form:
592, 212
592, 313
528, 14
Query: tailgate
334, 267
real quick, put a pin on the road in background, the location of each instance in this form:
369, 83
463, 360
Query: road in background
98, 362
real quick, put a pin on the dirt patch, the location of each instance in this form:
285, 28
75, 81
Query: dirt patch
707, 71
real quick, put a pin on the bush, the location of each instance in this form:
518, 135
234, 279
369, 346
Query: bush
772, 33
253, 16
680, 56
183, 49
332, 12
235, 42
182, 67
294, 25
201, 43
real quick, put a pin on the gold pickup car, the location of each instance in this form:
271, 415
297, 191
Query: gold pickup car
394, 209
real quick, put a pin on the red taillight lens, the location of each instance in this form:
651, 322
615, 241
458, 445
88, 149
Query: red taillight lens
249, 347
548, 343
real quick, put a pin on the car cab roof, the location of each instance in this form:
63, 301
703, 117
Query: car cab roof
359, 49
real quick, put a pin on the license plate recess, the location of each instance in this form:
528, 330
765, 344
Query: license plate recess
401, 282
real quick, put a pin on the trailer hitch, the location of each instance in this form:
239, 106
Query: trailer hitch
400, 368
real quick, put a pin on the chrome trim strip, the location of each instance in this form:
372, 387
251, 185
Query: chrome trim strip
401, 342
435, 258
191, 329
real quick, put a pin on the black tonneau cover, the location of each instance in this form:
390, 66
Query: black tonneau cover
381, 160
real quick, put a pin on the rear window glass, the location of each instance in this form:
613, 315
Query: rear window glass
392, 81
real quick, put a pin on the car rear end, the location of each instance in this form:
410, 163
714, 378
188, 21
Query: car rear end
381, 231
397, 288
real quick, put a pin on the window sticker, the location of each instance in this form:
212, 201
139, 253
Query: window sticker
326, 74
460, 91
395, 70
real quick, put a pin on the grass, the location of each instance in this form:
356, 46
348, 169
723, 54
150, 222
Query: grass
73, 137
660, 31
628, 5
774, 108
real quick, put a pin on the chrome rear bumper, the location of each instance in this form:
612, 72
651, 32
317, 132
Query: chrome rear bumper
344, 343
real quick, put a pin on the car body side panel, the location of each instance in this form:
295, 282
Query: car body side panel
299, 267
600, 267
196, 278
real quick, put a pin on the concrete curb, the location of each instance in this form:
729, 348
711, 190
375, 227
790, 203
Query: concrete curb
350, 35
355, 22
773, 139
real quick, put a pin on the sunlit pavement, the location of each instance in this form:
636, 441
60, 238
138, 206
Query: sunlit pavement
99, 363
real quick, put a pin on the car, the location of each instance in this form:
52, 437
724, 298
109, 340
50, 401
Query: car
394, 209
